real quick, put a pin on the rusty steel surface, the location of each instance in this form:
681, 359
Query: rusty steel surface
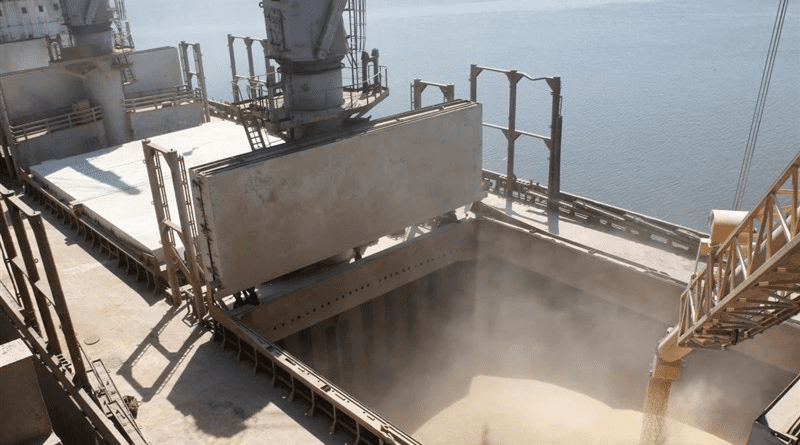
264, 214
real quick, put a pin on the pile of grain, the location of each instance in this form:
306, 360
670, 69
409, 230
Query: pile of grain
499, 411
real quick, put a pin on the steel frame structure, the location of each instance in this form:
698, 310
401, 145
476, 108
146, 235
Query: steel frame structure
27, 281
418, 86
752, 280
188, 262
256, 83
198, 73
553, 142
43, 329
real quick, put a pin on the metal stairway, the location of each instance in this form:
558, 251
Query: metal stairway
752, 280
126, 73
252, 128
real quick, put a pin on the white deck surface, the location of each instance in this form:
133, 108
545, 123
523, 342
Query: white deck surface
676, 266
112, 183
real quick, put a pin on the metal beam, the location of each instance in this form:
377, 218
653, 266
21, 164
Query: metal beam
319, 299
553, 142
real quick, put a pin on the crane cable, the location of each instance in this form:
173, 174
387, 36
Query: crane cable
755, 124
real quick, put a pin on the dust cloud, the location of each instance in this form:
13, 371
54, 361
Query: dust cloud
483, 352
499, 411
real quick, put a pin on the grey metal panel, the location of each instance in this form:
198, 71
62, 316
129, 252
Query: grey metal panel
268, 213
157, 68
778, 424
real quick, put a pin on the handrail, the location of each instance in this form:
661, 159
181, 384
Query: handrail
158, 98
644, 228
27, 130
269, 103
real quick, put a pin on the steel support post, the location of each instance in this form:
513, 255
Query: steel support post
15, 207
30, 266
364, 72
236, 97
376, 68
511, 133
7, 143
156, 188
419, 85
187, 73
16, 211
251, 69
201, 80
554, 144
60, 303
474, 71
187, 230
449, 92
28, 313
198, 71
416, 94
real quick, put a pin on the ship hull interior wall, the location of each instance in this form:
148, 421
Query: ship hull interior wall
422, 344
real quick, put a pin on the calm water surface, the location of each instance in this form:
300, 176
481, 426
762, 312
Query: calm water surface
658, 95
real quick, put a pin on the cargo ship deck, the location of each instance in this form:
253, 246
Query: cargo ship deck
110, 186
192, 390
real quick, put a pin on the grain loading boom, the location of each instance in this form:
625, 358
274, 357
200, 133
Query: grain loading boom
748, 284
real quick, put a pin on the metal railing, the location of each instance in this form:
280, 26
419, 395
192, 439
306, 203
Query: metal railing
65, 119
643, 228
751, 281
352, 96
165, 97
267, 100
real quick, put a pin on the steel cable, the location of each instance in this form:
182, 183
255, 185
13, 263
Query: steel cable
758, 113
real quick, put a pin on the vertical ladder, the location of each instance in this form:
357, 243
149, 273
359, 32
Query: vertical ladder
188, 261
253, 130
162, 191
161, 205
127, 71
189, 211
355, 36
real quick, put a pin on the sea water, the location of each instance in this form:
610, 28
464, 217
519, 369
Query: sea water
658, 96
